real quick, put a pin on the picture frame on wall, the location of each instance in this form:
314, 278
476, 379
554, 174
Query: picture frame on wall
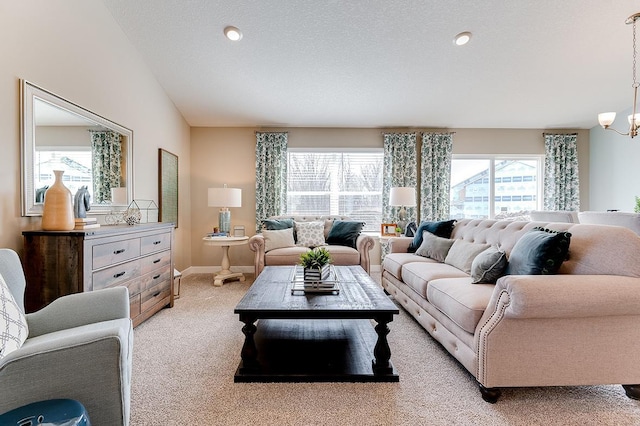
388, 229
168, 186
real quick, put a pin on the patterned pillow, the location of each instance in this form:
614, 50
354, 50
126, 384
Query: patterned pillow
13, 324
310, 234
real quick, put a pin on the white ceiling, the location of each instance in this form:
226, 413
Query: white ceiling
387, 63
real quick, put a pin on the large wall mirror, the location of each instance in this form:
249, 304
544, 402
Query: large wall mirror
91, 150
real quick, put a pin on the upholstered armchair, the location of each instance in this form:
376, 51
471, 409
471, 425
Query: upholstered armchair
78, 347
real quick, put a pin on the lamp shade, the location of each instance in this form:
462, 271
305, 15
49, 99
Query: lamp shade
225, 197
119, 197
402, 196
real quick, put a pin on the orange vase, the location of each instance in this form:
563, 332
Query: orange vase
57, 212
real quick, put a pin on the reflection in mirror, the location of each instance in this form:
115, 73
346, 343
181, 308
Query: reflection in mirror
59, 135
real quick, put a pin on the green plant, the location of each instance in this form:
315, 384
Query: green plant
315, 259
637, 207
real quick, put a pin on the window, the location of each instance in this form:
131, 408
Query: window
514, 190
75, 161
347, 183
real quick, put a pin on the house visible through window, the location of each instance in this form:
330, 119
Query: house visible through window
495, 187
346, 183
75, 161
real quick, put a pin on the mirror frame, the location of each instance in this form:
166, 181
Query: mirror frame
30, 92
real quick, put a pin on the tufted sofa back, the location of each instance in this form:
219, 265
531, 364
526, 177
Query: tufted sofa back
594, 249
328, 220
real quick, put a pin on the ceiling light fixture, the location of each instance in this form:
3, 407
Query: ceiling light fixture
606, 118
232, 33
462, 38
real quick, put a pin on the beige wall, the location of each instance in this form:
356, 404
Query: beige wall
227, 155
75, 49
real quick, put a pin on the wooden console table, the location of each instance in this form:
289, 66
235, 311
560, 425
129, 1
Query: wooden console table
140, 257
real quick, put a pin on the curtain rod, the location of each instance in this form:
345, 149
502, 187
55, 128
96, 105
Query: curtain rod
420, 131
567, 134
258, 131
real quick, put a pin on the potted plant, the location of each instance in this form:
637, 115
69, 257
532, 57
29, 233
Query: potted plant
637, 207
315, 264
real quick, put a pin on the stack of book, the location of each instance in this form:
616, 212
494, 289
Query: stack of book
83, 223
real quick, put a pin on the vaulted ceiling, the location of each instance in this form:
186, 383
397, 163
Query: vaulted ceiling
387, 63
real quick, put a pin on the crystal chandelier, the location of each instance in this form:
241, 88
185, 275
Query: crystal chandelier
606, 118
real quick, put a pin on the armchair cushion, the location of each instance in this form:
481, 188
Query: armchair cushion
13, 323
345, 233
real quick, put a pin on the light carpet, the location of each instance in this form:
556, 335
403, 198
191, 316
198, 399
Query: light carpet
185, 357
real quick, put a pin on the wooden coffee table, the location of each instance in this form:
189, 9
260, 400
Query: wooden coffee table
306, 337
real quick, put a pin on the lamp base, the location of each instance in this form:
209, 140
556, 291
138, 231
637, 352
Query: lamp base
224, 220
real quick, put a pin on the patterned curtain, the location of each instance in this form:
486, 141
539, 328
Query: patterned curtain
271, 175
561, 189
106, 153
400, 168
435, 185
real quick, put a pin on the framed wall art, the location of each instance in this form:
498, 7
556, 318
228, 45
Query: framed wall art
168, 186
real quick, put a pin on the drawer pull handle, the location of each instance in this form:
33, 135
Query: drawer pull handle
157, 242
119, 251
156, 294
119, 274
157, 276
156, 261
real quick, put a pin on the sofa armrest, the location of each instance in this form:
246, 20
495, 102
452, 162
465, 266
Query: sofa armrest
399, 244
256, 244
567, 296
364, 244
80, 309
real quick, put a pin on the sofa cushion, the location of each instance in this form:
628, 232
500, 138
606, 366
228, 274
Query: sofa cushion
434, 247
462, 302
418, 275
278, 238
345, 233
393, 262
310, 234
284, 256
539, 252
488, 266
462, 253
343, 255
13, 323
275, 224
441, 229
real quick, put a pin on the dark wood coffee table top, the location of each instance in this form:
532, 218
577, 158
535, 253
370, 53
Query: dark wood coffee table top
359, 297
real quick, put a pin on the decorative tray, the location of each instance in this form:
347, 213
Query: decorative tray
298, 283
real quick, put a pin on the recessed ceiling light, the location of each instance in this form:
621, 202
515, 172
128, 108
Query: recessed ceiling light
232, 33
462, 38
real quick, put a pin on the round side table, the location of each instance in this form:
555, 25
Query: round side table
225, 243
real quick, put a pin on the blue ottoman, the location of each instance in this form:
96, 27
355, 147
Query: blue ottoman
54, 412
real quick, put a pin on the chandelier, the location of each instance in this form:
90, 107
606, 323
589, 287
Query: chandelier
606, 118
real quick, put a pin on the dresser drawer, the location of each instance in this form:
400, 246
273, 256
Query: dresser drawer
155, 293
157, 242
116, 275
155, 261
116, 252
134, 306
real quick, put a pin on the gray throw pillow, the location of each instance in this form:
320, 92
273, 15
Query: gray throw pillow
462, 254
434, 247
488, 266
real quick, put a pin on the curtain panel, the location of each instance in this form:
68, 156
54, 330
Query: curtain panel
400, 169
106, 152
271, 175
435, 179
561, 183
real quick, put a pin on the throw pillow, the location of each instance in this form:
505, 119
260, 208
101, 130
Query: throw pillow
539, 252
13, 323
278, 238
488, 266
310, 234
345, 233
462, 254
274, 224
434, 247
442, 229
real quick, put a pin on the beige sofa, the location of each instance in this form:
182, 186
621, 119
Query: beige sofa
340, 255
579, 327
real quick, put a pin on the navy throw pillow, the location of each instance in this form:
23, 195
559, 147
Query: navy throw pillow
277, 224
344, 233
539, 252
442, 229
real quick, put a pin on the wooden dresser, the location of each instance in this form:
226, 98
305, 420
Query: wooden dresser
57, 263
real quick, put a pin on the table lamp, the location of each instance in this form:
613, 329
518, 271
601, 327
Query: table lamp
225, 198
402, 196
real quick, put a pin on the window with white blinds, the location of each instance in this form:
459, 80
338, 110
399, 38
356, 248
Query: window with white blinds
347, 183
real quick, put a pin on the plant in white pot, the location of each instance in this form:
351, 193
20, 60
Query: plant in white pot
316, 264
